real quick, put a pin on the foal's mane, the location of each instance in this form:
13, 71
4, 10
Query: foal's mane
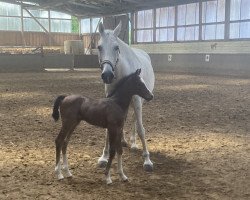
119, 84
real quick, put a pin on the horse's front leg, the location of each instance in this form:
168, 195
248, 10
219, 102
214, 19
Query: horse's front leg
103, 160
137, 103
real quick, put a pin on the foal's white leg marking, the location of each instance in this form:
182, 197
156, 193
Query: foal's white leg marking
148, 165
58, 171
103, 160
120, 169
108, 179
66, 167
133, 135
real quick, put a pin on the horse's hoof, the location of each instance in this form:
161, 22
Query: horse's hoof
109, 181
102, 163
68, 174
148, 167
60, 177
125, 179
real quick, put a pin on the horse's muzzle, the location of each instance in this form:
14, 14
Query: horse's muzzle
107, 77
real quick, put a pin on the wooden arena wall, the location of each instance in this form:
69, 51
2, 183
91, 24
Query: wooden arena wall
225, 58
14, 38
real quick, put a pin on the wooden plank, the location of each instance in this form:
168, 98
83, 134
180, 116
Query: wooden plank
236, 47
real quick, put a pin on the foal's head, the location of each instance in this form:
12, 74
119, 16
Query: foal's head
139, 87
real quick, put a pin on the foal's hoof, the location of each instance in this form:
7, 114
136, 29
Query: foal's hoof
134, 147
148, 167
124, 144
102, 163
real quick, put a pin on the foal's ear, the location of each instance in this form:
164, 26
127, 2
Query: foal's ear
117, 30
138, 72
101, 28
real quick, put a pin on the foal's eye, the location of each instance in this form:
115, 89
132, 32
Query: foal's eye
99, 48
116, 48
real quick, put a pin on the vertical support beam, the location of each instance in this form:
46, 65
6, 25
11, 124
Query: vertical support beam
22, 26
50, 42
200, 21
132, 21
80, 26
227, 19
91, 35
175, 23
135, 28
154, 25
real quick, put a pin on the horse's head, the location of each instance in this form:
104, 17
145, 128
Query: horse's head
108, 52
140, 86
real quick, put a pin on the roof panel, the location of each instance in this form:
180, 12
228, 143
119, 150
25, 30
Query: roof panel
95, 8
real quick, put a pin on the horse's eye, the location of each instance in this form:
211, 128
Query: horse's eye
116, 48
99, 48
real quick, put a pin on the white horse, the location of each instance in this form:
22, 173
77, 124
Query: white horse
118, 60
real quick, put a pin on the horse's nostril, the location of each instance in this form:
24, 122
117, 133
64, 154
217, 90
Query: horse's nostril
102, 75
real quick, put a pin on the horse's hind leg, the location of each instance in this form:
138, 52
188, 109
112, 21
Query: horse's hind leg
133, 136
137, 103
64, 150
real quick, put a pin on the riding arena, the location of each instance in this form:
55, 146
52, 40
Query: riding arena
125, 99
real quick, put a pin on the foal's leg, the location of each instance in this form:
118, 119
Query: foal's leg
66, 127
112, 150
64, 150
119, 157
137, 103
103, 160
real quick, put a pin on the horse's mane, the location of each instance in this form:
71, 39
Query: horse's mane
119, 84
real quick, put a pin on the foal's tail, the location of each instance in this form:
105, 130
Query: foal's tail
57, 104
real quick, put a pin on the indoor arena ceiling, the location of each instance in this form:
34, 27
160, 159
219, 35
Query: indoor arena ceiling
95, 8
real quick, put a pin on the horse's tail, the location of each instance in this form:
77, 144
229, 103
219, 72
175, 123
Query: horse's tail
57, 104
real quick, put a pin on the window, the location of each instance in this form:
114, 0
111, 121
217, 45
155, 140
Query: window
85, 26
88, 25
144, 31
10, 17
31, 25
213, 20
60, 22
165, 21
239, 19
188, 22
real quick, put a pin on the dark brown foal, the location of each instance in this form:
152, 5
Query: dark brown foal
107, 113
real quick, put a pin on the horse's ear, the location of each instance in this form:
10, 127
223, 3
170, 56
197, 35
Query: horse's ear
117, 30
101, 28
138, 72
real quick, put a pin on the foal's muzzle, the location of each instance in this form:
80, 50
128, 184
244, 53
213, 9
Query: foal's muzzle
149, 97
